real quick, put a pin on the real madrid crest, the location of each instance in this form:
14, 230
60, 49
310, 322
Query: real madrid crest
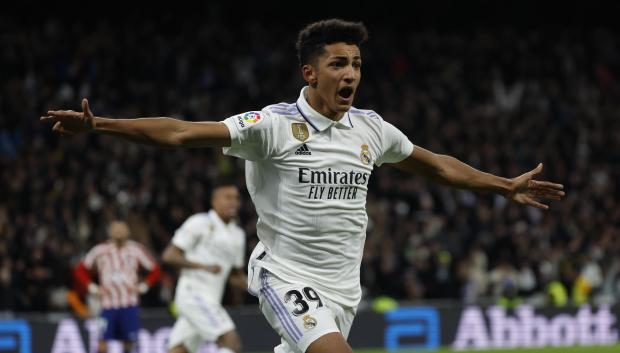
300, 131
365, 155
309, 322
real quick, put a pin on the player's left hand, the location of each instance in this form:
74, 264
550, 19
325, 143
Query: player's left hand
527, 191
143, 288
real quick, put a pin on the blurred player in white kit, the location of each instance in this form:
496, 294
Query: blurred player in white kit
209, 248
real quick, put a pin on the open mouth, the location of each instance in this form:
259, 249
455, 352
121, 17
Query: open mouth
345, 92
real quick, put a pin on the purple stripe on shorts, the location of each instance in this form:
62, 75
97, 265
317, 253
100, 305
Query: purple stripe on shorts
279, 303
281, 316
281, 312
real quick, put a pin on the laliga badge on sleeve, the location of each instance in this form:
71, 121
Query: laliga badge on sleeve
247, 119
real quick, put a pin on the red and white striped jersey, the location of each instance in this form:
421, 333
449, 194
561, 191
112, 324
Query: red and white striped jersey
118, 271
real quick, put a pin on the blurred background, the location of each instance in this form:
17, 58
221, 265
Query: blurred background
499, 86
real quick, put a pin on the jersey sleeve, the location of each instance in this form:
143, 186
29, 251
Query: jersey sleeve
396, 146
251, 135
187, 235
144, 257
91, 257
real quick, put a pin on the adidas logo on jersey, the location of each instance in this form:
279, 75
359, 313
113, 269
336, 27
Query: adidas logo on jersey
303, 150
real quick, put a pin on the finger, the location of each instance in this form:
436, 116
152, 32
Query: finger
63, 113
553, 192
537, 170
548, 192
60, 111
549, 197
547, 184
552, 196
536, 204
47, 119
544, 196
558, 193
86, 107
62, 131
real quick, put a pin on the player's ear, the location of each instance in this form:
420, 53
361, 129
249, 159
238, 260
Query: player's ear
310, 75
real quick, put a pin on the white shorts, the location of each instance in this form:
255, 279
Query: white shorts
200, 320
298, 313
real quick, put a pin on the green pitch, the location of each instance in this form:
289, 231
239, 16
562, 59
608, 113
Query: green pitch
595, 349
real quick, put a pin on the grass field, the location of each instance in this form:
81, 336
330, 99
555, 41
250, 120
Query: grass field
594, 349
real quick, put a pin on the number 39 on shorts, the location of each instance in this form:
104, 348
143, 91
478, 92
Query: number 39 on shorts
302, 300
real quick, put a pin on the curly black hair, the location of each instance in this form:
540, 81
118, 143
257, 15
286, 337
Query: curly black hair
312, 39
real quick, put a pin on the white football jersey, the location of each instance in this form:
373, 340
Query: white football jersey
308, 178
206, 239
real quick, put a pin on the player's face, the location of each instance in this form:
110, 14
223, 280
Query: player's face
336, 75
118, 232
226, 202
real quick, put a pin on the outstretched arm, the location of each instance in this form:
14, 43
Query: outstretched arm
450, 171
153, 131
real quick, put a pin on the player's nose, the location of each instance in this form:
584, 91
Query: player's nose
349, 77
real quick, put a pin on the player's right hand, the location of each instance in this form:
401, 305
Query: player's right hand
93, 288
69, 122
212, 268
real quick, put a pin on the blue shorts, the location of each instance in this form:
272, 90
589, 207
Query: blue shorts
121, 324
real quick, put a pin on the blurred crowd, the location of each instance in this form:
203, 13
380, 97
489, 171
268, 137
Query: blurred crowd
499, 99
